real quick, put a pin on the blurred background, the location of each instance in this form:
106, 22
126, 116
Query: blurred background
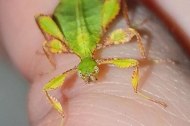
13, 95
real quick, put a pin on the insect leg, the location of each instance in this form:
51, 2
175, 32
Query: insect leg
53, 46
54, 43
128, 63
121, 36
132, 30
124, 9
53, 84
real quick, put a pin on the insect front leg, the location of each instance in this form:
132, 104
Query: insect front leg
54, 43
53, 84
128, 63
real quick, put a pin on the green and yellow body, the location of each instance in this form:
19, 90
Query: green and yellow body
79, 27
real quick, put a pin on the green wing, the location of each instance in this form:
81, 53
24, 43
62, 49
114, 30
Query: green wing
81, 23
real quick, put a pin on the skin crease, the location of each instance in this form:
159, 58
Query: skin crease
177, 22
110, 101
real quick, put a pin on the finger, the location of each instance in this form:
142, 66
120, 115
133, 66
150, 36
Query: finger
20, 35
111, 101
173, 13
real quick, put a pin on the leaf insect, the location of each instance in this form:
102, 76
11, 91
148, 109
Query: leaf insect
77, 27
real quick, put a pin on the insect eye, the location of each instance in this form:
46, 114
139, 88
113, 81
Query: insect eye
80, 74
96, 69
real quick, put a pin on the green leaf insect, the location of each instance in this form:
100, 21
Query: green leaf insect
78, 27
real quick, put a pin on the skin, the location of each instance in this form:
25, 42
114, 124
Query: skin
177, 22
108, 102
82, 36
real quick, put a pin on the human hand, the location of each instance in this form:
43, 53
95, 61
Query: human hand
111, 101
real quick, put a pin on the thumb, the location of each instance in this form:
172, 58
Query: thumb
109, 101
